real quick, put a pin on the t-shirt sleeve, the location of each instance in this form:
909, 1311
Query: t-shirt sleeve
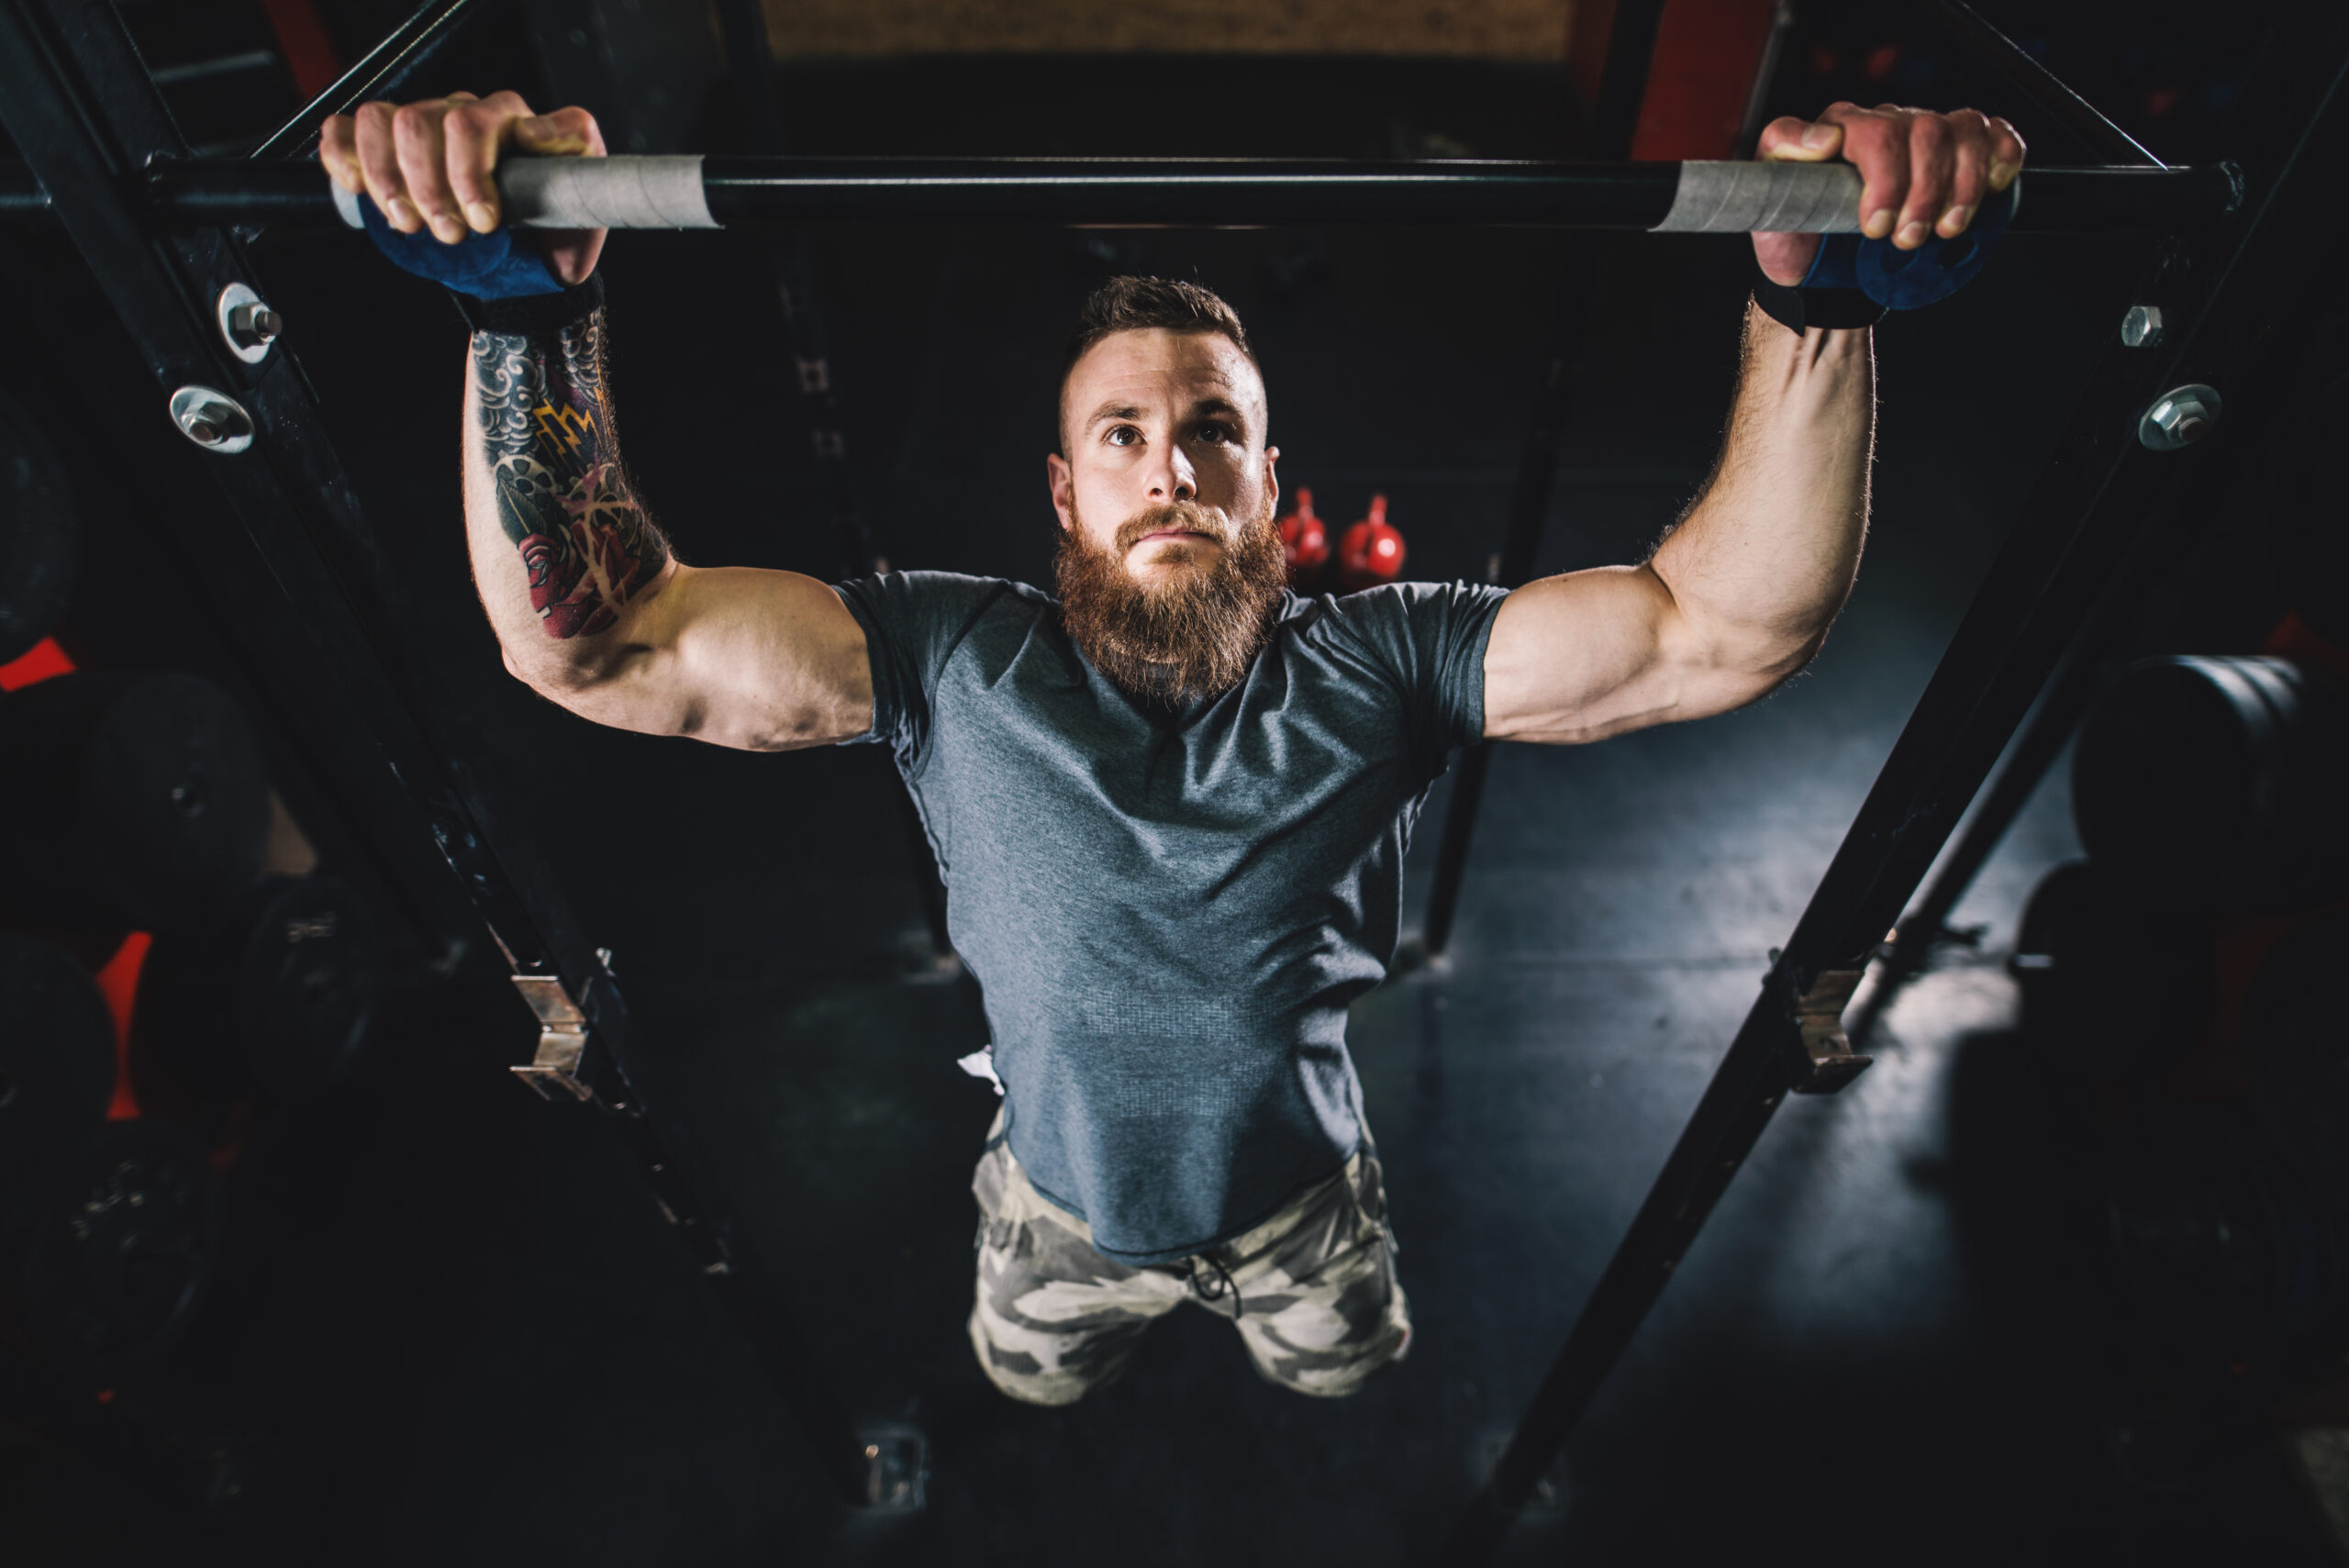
1429, 638
912, 621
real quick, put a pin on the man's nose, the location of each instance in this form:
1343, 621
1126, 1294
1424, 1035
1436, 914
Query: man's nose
1171, 478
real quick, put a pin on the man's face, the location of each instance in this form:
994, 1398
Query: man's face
1154, 419
1170, 566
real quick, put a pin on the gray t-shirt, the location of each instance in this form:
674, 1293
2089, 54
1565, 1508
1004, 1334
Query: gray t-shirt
1169, 912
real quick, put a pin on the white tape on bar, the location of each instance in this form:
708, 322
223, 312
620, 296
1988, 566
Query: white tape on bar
589, 192
1788, 198
605, 192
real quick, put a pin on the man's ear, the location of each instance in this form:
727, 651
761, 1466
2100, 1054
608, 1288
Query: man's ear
1062, 478
1273, 480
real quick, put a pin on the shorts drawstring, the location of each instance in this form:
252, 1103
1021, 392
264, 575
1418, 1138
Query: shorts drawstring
1190, 1267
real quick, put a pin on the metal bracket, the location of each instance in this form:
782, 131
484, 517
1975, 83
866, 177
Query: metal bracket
562, 1039
1827, 1062
896, 1475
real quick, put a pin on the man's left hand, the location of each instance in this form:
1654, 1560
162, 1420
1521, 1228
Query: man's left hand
1924, 173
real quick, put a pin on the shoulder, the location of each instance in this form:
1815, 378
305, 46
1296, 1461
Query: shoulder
1409, 610
924, 603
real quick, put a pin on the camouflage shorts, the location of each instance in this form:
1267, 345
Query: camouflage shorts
1312, 1290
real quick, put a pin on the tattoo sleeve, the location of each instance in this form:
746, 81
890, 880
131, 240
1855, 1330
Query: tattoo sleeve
562, 494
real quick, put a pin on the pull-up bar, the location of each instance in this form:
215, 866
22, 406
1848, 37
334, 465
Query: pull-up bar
1697, 197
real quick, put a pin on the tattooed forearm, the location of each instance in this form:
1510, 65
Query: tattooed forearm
563, 495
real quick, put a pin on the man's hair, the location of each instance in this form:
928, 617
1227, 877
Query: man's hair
1132, 304
1129, 304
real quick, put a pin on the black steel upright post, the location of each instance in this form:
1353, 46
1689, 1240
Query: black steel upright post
79, 106
2228, 293
1630, 50
791, 263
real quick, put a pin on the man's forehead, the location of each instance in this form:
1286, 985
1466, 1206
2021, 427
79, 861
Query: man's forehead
1148, 367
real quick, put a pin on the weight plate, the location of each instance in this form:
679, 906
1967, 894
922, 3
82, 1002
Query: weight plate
2223, 1255
128, 798
2113, 992
56, 1074
280, 989
39, 552
114, 1276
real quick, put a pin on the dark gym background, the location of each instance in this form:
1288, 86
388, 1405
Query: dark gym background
452, 1309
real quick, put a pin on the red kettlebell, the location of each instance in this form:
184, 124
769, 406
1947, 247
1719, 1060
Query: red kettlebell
1372, 551
1305, 542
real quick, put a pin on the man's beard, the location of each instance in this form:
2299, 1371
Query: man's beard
1196, 633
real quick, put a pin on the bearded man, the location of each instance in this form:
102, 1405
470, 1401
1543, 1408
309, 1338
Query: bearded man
1170, 804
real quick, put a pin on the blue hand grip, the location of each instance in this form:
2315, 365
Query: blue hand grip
1903, 280
487, 266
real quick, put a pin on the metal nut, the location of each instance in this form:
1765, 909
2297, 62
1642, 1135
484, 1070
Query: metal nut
254, 323
212, 419
2179, 417
2142, 327
247, 324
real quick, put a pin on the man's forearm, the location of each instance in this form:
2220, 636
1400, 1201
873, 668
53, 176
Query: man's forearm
561, 545
1764, 559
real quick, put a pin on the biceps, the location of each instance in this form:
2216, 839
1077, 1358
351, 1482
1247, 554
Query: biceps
1590, 654
753, 659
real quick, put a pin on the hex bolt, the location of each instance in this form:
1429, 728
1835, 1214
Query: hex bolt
212, 419
2179, 417
247, 324
254, 324
207, 422
2142, 327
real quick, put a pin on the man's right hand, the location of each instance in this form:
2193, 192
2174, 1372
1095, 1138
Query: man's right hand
427, 165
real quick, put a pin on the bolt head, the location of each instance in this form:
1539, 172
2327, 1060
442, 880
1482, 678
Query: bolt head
2142, 327
211, 419
254, 323
2180, 416
2184, 418
208, 423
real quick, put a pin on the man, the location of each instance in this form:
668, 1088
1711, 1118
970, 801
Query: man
1170, 804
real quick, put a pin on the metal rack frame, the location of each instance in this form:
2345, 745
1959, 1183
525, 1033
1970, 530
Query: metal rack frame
2221, 290
76, 100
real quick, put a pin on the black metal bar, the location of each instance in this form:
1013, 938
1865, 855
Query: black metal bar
75, 100
208, 193
380, 71
2042, 740
2044, 90
2084, 509
1623, 79
742, 24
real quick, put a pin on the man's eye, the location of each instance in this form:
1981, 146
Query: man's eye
1124, 436
1214, 434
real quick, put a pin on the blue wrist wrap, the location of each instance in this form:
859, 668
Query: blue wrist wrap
1904, 280
496, 265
